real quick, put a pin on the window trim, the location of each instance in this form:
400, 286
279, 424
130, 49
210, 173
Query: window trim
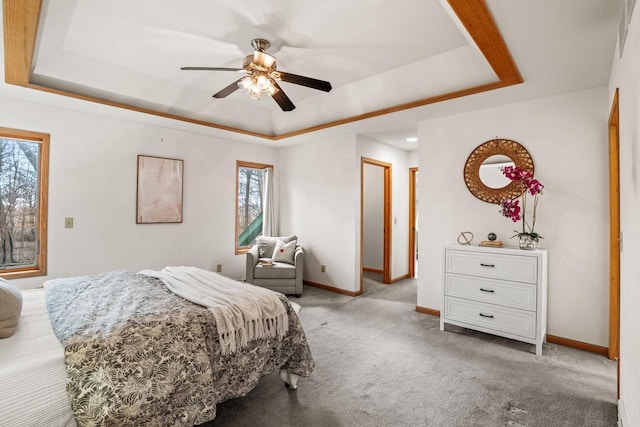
40, 269
242, 164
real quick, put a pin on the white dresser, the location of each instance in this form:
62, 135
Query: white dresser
500, 291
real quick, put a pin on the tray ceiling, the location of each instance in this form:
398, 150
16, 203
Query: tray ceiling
390, 64
379, 57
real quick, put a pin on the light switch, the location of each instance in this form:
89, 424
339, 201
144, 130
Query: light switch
68, 222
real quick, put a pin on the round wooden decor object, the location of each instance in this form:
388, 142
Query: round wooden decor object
505, 147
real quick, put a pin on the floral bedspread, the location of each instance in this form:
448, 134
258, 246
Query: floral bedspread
137, 354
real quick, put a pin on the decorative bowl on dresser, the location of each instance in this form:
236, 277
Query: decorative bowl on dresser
500, 291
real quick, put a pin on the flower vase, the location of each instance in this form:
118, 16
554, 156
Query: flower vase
527, 242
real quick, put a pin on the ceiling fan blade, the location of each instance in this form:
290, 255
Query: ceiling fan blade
211, 69
227, 90
282, 99
305, 81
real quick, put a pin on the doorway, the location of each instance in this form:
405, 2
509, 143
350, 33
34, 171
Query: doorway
375, 219
413, 222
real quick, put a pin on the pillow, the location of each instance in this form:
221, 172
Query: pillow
284, 252
10, 308
267, 244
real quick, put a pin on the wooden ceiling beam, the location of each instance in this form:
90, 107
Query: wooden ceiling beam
21, 19
477, 20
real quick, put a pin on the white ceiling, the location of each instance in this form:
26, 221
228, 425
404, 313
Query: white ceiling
376, 53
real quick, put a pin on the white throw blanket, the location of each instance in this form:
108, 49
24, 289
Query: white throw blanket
243, 312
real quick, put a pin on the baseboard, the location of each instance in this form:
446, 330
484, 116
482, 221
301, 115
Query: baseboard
426, 310
584, 346
397, 279
623, 421
375, 270
331, 288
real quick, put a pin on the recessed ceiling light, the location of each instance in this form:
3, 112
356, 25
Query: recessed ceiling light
412, 139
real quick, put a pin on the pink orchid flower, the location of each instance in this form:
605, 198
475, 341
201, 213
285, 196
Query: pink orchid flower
534, 186
511, 209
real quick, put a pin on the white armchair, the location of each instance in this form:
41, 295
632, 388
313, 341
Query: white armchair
278, 273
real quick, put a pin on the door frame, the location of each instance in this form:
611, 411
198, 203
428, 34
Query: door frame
614, 233
412, 221
386, 251
614, 230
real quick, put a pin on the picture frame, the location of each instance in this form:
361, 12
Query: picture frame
159, 190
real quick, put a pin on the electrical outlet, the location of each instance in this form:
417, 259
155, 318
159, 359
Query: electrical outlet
68, 223
323, 268
219, 268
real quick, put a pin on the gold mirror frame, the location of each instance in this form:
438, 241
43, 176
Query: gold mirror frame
505, 147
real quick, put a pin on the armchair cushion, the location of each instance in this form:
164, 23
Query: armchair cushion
277, 270
284, 252
266, 244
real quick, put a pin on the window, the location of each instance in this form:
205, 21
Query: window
250, 181
24, 164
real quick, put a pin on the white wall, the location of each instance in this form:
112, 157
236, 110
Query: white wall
626, 77
399, 160
373, 217
412, 158
567, 137
318, 199
92, 178
320, 203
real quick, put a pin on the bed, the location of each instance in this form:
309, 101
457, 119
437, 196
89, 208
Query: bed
132, 352
32, 371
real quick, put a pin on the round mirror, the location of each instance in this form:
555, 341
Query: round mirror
483, 173
491, 171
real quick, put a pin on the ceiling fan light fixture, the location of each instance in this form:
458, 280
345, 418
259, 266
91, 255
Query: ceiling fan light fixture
261, 77
262, 81
258, 84
254, 92
272, 87
245, 83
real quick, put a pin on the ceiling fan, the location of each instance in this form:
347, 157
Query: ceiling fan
262, 76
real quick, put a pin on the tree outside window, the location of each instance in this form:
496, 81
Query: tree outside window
23, 167
250, 191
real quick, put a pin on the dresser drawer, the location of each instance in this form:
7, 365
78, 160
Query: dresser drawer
507, 320
506, 267
510, 294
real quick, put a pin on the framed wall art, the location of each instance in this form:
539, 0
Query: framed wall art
159, 191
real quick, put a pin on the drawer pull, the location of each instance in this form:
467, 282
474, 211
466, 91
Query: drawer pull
487, 265
487, 290
488, 316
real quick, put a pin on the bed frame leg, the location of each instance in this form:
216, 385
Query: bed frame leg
290, 380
